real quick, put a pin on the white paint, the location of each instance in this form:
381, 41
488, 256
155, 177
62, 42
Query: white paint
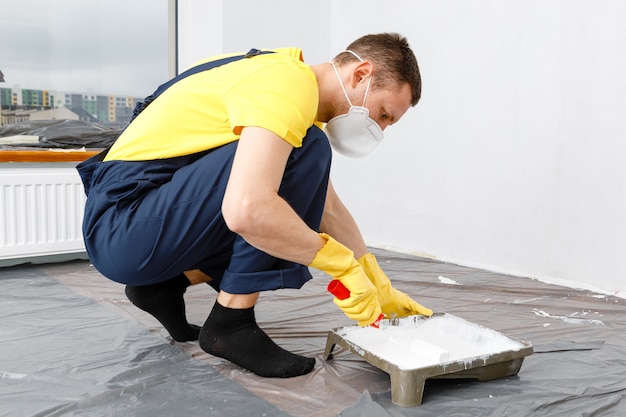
419, 342
528, 300
569, 319
514, 159
449, 281
12, 375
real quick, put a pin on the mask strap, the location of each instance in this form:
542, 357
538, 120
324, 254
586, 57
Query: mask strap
341, 84
369, 82
355, 54
367, 90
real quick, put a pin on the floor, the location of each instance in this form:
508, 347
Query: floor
73, 345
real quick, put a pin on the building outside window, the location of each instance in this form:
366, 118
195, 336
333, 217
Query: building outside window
81, 56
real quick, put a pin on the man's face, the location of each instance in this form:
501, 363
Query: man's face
386, 104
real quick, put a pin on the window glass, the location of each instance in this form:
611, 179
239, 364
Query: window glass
86, 60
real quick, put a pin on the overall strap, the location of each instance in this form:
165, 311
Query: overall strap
87, 164
141, 105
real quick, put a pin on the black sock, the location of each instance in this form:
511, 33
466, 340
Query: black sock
233, 334
166, 303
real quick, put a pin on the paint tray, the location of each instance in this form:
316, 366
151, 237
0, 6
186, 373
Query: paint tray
416, 348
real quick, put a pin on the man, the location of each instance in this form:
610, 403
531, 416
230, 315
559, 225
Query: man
224, 179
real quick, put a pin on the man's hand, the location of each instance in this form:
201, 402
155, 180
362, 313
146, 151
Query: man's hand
338, 261
391, 300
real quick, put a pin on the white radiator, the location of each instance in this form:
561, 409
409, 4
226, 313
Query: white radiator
41, 208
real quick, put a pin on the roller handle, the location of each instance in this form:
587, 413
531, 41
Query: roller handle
336, 288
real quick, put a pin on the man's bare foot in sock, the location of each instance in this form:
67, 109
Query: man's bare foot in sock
165, 302
233, 334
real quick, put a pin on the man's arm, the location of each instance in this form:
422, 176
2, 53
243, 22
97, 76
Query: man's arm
339, 223
252, 207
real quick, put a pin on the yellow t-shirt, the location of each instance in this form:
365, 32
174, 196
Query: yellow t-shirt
275, 91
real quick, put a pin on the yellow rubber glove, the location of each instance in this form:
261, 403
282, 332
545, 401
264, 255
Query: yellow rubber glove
338, 261
391, 300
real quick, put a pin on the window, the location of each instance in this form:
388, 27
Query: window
82, 55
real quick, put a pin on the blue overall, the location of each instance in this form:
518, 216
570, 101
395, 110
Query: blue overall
147, 222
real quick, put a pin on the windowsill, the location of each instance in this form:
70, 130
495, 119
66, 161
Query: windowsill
46, 155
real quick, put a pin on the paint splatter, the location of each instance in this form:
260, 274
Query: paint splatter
449, 281
569, 319
12, 375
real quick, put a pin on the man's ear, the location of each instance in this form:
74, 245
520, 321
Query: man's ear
361, 72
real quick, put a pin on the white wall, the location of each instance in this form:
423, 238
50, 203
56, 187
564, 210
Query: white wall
200, 30
208, 27
514, 160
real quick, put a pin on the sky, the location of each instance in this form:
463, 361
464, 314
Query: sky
107, 47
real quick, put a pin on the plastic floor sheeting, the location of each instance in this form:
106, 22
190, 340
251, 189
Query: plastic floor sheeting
72, 345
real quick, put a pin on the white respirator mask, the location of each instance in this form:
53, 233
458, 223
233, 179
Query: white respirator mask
353, 134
